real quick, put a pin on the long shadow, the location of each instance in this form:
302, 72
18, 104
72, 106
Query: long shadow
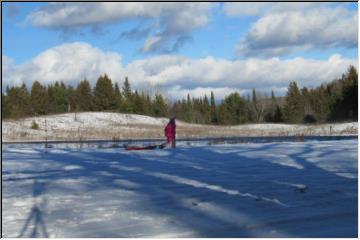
35, 216
216, 171
266, 172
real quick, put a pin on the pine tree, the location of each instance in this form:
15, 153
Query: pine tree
278, 116
104, 97
139, 103
5, 107
309, 115
225, 117
39, 98
197, 111
118, 97
60, 97
84, 98
349, 94
128, 105
17, 102
235, 105
159, 106
214, 118
294, 105
183, 111
127, 89
189, 110
148, 110
71, 99
271, 109
206, 110
51, 102
24, 100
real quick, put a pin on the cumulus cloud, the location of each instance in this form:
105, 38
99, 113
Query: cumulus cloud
68, 62
286, 27
177, 92
172, 23
175, 75
238, 9
190, 73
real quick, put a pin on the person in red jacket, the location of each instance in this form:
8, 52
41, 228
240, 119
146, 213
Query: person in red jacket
170, 132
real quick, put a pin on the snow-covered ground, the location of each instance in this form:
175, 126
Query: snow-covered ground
106, 125
287, 189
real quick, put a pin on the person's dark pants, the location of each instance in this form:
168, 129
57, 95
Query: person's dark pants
171, 140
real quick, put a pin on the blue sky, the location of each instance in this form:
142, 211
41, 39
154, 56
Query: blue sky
223, 42
22, 40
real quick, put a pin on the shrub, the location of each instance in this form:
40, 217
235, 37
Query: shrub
34, 125
309, 119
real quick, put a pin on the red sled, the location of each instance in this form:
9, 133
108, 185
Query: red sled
150, 147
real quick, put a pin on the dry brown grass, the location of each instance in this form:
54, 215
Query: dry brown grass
138, 131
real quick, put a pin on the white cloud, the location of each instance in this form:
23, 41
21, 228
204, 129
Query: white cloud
177, 92
172, 22
238, 9
68, 62
190, 73
176, 75
286, 27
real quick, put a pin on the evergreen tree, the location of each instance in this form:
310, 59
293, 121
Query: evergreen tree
51, 102
214, 119
39, 98
127, 89
104, 97
118, 97
182, 110
5, 107
197, 114
159, 106
139, 103
84, 98
71, 99
343, 95
189, 110
350, 93
24, 100
271, 109
17, 102
225, 117
294, 105
176, 110
278, 116
128, 105
235, 105
320, 103
56, 94
255, 115
206, 110
148, 110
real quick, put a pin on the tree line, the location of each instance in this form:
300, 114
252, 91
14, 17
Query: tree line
334, 101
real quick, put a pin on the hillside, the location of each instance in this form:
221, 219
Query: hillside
106, 125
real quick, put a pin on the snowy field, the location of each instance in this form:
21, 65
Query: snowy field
287, 189
106, 125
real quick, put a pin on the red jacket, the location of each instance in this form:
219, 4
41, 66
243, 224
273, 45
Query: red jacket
170, 130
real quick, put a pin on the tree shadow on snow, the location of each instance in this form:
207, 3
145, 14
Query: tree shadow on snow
193, 183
